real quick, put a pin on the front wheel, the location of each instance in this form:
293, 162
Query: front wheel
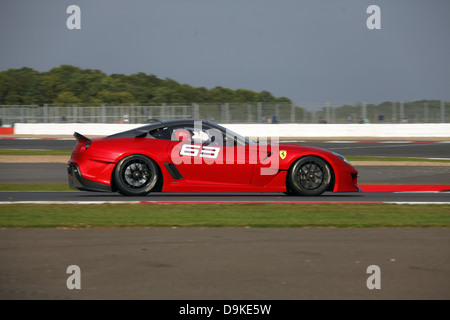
309, 176
136, 175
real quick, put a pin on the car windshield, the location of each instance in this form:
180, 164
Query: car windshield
229, 134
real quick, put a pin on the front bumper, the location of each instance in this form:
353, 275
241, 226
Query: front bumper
77, 182
346, 180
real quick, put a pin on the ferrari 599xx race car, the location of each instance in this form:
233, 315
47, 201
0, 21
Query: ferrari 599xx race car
200, 156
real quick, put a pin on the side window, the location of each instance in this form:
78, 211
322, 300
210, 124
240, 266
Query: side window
215, 137
204, 135
189, 133
161, 133
181, 133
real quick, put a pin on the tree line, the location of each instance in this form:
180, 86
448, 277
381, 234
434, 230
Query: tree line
68, 84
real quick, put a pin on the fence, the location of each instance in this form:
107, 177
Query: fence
389, 112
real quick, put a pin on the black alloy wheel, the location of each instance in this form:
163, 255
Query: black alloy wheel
309, 176
136, 175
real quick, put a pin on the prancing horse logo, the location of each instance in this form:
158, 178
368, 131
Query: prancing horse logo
283, 154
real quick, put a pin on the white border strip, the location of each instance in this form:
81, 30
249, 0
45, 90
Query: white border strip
259, 130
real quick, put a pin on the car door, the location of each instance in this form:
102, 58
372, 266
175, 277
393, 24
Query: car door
207, 156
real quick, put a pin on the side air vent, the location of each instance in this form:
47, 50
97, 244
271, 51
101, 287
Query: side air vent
173, 171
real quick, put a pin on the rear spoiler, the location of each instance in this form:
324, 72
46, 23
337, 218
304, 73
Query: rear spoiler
80, 137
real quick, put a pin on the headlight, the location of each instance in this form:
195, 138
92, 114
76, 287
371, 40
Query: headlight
341, 157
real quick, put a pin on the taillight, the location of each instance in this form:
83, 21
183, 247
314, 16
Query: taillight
85, 146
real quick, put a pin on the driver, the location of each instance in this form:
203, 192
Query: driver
182, 135
200, 137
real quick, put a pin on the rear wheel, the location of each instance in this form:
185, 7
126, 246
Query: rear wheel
136, 175
309, 176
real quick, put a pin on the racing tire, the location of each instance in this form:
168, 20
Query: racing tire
288, 191
136, 175
309, 176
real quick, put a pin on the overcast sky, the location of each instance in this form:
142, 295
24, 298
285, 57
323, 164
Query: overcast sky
308, 51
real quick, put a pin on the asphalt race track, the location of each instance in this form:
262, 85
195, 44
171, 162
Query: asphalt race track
225, 263
230, 263
95, 198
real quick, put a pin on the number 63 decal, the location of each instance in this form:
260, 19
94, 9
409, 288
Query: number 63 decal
191, 150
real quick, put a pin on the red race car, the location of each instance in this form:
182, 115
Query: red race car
199, 156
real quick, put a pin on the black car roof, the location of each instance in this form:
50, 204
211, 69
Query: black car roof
142, 131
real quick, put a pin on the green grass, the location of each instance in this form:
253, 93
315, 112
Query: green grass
256, 215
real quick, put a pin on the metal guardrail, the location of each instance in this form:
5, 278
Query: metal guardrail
413, 112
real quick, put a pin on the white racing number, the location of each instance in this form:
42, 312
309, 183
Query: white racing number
210, 152
191, 150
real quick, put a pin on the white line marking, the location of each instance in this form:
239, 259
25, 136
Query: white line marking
419, 202
417, 192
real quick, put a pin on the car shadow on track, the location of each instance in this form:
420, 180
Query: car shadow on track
219, 197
